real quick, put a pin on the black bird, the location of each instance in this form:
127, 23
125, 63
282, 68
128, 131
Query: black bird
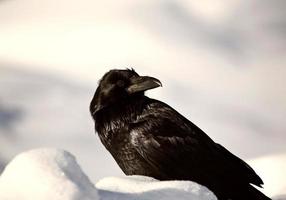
148, 137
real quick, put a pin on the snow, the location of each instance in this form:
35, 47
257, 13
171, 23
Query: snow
146, 188
227, 75
46, 174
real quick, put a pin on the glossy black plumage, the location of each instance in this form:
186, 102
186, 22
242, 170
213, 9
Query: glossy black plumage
148, 137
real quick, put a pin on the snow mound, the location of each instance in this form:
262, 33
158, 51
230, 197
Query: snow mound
45, 174
146, 188
52, 174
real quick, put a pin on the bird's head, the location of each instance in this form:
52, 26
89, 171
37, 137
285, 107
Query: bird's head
119, 85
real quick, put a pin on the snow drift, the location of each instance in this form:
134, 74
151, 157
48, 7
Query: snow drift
46, 174
146, 188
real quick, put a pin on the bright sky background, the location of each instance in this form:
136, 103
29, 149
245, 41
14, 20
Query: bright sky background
222, 65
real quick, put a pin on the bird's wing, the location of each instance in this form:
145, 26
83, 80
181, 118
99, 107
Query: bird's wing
174, 145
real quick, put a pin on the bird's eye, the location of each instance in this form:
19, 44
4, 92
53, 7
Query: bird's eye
120, 83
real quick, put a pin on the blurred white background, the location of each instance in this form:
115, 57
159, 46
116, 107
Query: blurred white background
222, 65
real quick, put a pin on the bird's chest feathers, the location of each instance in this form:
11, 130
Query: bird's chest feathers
114, 126
115, 135
114, 132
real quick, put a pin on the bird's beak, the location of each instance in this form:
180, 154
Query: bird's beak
143, 83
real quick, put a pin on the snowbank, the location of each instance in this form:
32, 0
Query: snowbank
51, 174
45, 174
146, 188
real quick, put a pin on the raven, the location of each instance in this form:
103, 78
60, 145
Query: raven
148, 137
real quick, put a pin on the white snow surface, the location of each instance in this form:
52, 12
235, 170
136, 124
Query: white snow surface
146, 188
46, 174
50, 174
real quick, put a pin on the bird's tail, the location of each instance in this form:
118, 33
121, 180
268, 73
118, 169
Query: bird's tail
255, 194
242, 193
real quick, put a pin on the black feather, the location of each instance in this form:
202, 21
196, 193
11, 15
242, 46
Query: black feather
148, 137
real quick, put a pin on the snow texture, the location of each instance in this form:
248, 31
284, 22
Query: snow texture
46, 174
146, 188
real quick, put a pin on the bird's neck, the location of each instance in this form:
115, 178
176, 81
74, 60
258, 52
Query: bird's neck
123, 111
